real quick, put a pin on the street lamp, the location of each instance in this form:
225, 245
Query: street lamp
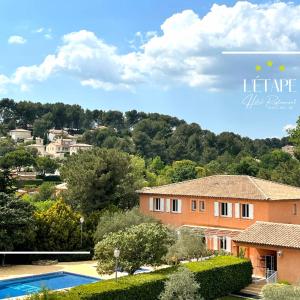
117, 255
81, 223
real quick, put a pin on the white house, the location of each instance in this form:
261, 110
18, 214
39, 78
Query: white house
76, 147
20, 134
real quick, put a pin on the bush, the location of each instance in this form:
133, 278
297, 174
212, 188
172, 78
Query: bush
217, 277
181, 285
280, 291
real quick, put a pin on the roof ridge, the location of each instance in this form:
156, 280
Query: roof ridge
256, 185
277, 223
275, 182
181, 182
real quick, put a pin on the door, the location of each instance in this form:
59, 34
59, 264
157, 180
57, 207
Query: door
270, 264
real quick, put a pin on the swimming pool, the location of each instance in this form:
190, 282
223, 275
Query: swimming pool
32, 284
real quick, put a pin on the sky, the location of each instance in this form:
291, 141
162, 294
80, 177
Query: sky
158, 56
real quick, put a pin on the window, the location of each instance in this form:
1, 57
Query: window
223, 243
294, 209
175, 205
224, 209
194, 205
157, 204
245, 211
201, 205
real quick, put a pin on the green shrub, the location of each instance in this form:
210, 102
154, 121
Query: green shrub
280, 291
217, 277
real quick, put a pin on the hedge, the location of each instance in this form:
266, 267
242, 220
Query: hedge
217, 276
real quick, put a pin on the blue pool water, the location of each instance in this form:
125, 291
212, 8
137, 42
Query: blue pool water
32, 284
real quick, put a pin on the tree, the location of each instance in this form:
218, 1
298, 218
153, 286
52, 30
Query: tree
183, 170
247, 166
46, 165
118, 220
46, 192
58, 228
18, 159
98, 178
188, 245
139, 245
42, 125
7, 182
17, 224
181, 285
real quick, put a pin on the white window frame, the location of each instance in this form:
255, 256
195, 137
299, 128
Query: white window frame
201, 205
194, 205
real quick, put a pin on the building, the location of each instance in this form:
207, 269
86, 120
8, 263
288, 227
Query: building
237, 214
75, 148
20, 134
288, 149
55, 134
39, 146
59, 148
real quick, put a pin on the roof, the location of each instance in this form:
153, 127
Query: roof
81, 145
228, 186
61, 186
271, 234
213, 231
19, 130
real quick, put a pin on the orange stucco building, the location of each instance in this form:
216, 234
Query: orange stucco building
236, 213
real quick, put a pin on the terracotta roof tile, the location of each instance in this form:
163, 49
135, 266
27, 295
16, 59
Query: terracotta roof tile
228, 186
271, 234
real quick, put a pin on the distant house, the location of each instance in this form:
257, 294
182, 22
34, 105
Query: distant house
59, 148
60, 188
236, 213
288, 149
41, 149
54, 134
76, 147
20, 134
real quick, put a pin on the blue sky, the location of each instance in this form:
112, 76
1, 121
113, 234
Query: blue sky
153, 56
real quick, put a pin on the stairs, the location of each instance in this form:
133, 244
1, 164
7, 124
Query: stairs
253, 290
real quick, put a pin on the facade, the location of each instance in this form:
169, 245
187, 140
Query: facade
39, 146
75, 148
20, 134
224, 208
59, 148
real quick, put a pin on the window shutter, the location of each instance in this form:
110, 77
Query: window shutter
216, 246
237, 210
230, 210
251, 211
228, 244
151, 204
216, 209
167, 205
179, 205
162, 204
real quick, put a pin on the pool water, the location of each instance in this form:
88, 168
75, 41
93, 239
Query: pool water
33, 284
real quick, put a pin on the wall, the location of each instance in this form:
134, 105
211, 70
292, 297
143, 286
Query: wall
205, 218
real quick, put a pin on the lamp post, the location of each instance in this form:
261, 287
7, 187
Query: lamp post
116, 255
81, 223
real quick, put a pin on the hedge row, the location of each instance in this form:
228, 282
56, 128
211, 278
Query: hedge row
217, 277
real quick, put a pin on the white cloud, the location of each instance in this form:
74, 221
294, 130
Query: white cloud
288, 127
16, 39
187, 51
